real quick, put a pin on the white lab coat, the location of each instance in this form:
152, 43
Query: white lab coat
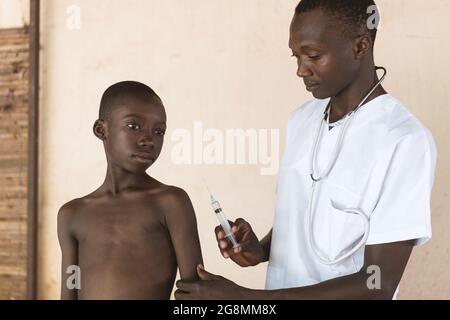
386, 168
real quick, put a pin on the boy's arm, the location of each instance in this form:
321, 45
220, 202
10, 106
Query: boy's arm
182, 225
69, 250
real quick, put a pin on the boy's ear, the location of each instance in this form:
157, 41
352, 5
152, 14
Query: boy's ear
362, 45
100, 129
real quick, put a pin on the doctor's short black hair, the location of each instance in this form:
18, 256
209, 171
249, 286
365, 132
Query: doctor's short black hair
352, 14
116, 92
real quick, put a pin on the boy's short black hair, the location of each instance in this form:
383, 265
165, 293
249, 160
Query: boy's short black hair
121, 89
352, 14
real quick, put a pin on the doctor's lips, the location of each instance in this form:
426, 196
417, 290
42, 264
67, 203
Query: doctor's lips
310, 85
143, 157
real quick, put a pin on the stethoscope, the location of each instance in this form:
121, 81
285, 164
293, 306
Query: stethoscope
317, 178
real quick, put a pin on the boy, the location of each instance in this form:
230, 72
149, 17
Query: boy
384, 170
128, 236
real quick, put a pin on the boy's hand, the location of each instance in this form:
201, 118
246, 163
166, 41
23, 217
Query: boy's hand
249, 252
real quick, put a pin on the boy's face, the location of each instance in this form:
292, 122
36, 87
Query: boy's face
134, 133
327, 61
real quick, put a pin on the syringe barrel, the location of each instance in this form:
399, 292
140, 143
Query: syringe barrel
232, 239
224, 223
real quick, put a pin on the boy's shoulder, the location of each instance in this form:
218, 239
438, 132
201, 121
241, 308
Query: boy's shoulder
167, 197
175, 203
172, 195
68, 210
72, 206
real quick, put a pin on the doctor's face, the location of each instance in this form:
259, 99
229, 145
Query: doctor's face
325, 57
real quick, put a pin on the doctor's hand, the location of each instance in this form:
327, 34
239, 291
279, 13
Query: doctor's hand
209, 287
249, 252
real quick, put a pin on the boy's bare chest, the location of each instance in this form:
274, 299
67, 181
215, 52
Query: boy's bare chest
119, 222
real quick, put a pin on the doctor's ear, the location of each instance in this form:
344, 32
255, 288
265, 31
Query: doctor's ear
100, 129
362, 45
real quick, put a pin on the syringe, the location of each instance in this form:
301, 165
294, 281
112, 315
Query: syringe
223, 221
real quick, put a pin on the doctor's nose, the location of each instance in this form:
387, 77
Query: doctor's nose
303, 70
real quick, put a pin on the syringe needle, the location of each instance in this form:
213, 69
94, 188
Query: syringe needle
206, 185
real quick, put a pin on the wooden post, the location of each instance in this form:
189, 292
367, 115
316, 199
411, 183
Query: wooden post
33, 144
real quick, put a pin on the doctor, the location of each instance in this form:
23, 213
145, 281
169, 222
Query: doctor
353, 194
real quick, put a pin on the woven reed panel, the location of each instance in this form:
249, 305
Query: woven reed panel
14, 50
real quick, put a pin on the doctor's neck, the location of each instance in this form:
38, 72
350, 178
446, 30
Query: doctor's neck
348, 98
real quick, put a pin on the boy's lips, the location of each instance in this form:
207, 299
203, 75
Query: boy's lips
144, 157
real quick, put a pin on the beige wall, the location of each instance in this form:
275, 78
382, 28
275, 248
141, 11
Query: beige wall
14, 13
227, 64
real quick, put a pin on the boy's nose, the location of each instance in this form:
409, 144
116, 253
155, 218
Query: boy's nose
145, 141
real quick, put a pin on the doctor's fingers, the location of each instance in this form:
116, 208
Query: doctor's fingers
225, 248
234, 252
238, 228
220, 237
244, 246
187, 286
242, 226
220, 234
181, 295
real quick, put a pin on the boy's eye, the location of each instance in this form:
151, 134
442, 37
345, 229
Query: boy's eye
160, 132
133, 126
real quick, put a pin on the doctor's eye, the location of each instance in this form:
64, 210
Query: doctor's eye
314, 57
133, 126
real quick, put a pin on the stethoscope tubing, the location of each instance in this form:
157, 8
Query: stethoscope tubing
326, 172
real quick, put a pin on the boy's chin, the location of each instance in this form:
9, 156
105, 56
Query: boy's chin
136, 169
142, 169
141, 164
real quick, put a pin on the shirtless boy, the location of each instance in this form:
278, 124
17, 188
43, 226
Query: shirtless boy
129, 236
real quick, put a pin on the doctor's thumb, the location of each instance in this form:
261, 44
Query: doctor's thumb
242, 247
203, 274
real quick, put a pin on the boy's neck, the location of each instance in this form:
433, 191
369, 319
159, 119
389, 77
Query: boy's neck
351, 96
118, 180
